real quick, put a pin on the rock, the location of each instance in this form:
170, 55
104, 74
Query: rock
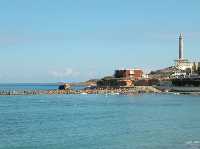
64, 86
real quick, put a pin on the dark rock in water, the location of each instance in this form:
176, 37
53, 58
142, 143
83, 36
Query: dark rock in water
64, 86
186, 82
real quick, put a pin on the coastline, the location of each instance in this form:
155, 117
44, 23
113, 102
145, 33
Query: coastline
130, 91
112, 91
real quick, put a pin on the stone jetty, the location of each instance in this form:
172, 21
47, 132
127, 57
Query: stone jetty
123, 91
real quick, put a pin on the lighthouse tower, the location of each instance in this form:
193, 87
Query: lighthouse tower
181, 46
181, 63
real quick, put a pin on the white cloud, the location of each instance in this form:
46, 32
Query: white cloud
68, 72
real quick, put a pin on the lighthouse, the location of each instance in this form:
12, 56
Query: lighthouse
181, 46
181, 63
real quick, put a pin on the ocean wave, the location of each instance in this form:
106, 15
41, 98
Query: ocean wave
193, 144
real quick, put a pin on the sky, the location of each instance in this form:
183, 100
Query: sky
77, 40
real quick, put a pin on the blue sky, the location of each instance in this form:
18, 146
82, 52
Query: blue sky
75, 40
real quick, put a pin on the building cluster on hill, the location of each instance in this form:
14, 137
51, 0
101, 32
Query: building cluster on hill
183, 68
183, 73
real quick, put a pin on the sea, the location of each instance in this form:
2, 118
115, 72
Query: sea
33, 86
144, 121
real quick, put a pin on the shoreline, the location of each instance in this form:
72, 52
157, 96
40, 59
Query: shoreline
115, 91
129, 91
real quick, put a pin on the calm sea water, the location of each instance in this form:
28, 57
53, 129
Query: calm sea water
30, 86
100, 122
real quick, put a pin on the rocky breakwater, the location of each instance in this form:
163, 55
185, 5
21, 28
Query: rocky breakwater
146, 89
64, 91
124, 91
37, 92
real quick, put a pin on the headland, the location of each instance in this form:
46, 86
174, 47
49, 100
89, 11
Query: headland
181, 78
